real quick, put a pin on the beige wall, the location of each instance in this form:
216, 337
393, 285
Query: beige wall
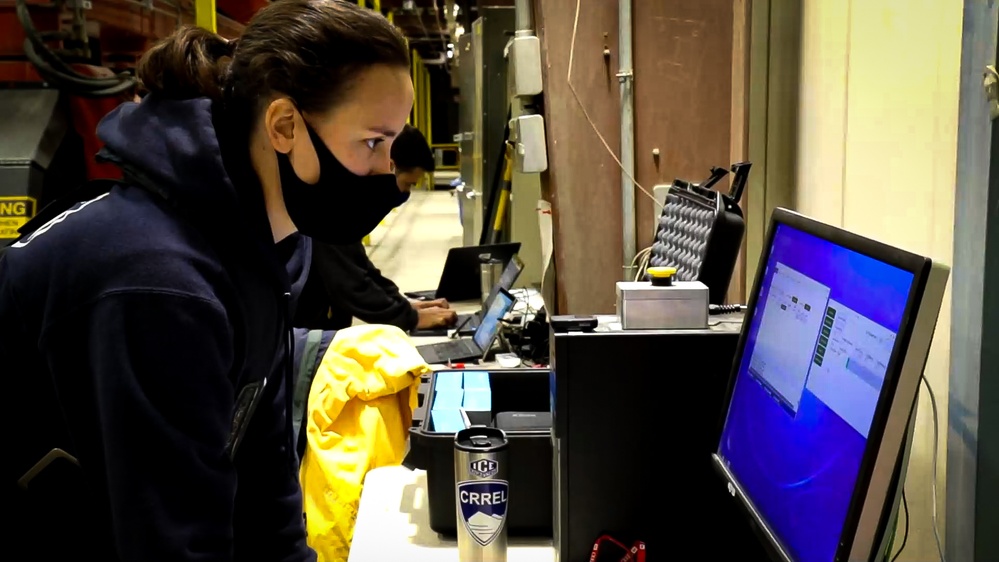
877, 151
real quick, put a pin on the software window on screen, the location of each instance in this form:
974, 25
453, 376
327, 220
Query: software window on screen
849, 365
792, 318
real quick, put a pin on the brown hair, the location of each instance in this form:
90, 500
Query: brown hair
308, 50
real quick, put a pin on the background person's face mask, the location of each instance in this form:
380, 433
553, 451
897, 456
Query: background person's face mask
341, 207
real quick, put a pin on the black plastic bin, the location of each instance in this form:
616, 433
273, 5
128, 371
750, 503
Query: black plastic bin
530, 455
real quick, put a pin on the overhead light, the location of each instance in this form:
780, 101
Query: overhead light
450, 54
450, 45
455, 10
459, 31
408, 5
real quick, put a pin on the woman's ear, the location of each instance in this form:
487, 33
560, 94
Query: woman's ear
288, 134
279, 123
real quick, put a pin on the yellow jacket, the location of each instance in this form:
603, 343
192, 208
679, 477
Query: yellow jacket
359, 412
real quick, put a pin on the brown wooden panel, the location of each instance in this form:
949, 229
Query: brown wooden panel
583, 183
683, 94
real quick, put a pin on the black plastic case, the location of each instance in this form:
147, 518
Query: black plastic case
530, 455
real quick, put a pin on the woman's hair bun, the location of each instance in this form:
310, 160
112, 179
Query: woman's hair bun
190, 63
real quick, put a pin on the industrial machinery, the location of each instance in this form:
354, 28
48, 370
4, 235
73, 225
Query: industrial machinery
482, 80
63, 66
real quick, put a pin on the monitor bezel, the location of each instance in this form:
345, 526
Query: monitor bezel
920, 267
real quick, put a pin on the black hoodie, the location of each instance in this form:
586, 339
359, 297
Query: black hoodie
155, 312
343, 284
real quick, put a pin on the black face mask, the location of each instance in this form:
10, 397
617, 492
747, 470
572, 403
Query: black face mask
342, 207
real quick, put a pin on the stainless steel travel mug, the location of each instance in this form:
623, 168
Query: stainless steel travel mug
482, 493
490, 271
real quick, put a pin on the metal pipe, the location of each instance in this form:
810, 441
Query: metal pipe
524, 15
205, 15
626, 78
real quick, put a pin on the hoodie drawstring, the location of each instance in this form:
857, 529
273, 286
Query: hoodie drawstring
289, 383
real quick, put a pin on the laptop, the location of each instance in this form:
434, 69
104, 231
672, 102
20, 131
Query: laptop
460, 279
466, 324
478, 345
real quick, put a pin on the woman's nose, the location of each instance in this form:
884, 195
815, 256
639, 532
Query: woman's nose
382, 163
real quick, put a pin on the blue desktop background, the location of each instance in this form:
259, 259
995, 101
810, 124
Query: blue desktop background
800, 472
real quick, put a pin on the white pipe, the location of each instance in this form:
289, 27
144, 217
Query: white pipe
625, 78
525, 18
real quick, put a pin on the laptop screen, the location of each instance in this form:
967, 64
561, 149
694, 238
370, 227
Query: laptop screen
490, 326
509, 276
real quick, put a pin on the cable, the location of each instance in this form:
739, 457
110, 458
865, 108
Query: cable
725, 308
933, 486
568, 79
641, 259
523, 295
640, 274
54, 70
905, 533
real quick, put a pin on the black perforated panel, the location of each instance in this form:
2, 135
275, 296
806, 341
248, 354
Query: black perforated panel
682, 237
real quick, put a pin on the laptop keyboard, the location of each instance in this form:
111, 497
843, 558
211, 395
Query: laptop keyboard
453, 348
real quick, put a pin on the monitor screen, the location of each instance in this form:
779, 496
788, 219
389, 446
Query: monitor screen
807, 386
490, 325
509, 276
510, 273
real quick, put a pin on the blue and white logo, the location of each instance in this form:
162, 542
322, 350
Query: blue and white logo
483, 506
483, 468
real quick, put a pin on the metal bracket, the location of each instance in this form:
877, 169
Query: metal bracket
42, 464
625, 76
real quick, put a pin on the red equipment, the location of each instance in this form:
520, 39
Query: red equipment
97, 39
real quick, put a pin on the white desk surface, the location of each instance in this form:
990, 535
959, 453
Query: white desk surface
393, 523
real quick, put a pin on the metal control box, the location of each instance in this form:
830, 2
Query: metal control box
528, 135
681, 306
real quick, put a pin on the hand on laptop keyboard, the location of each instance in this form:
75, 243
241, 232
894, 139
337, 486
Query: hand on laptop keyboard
435, 317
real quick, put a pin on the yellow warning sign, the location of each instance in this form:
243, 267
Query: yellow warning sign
14, 213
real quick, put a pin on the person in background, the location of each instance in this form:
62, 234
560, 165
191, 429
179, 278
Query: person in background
146, 323
343, 283
412, 158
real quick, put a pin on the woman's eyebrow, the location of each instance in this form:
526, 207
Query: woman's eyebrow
383, 131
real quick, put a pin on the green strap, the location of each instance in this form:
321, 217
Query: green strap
303, 383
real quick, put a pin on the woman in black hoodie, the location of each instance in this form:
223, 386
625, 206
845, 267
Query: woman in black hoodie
144, 323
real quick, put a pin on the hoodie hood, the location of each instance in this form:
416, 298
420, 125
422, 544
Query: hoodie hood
172, 144
172, 148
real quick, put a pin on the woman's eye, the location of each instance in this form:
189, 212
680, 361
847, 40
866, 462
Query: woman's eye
373, 143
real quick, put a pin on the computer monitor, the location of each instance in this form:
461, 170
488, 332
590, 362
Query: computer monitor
824, 380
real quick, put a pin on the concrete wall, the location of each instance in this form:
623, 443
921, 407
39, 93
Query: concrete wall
877, 153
